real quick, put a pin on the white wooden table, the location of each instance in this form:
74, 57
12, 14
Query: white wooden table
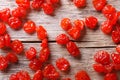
92, 41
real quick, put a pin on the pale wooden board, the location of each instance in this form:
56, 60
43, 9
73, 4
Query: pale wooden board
92, 41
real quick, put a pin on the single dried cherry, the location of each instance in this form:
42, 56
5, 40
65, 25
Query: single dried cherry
29, 27
73, 49
31, 53
62, 64
102, 57
50, 72
62, 39
82, 75
17, 46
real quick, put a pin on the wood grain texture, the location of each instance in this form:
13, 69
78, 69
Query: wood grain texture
92, 40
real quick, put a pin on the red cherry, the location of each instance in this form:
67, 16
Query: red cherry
62, 64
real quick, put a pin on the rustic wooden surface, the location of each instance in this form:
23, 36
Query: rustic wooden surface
92, 41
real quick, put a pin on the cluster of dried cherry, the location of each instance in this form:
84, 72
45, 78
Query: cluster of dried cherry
107, 64
74, 30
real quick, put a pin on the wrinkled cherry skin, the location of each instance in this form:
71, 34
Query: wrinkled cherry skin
2, 28
11, 57
111, 76
48, 8
35, 64
73, 49
118, 48
62, 64
38, 75
19, 12
15, 23
3, 62
21, 75
31, 53
24, 3
106, 27
82, 75
62, 39
74, 32
99, 68
116, 58
44, 54
2, 42
91, 22
79, 24
103, 68
116, 66
44, 43
29, 27
115, 36
79, 3
108, 10
17, 46
5, 14
7, 40
99, 4
50, 72
37, 4
41, 33
66, 24
102, 57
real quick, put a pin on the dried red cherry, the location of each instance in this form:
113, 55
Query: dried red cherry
38, 75
21, 75
2, 28
62, 39
73, 49
5, 14
19, 12
108, 10
102, 57
82, 75
35, 64
11, 57
91, 22
41, 33
3, 62
29, 27
44, 54
79, 24
99, 4
99, 68
66, 24
7, 40
50, 72
111, 76
17, 46
48, 8
14, 22
37, 4
116, 58
23, 3
79, 3
107, 27
74, 32
31, 53
62, 64
44, 43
